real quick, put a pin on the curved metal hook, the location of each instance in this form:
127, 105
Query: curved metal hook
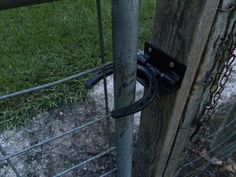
145, 77
151, 93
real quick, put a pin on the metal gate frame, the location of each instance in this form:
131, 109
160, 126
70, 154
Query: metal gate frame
8, 4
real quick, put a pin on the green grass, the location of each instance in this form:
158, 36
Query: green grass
47, 42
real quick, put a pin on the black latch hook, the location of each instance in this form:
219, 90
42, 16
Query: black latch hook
156, 71
145, 77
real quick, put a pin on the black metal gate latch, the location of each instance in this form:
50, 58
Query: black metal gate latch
158, 72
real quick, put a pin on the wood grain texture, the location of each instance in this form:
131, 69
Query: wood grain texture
223, 27
181, 29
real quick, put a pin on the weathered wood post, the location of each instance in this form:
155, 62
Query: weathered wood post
125, 15
181, 29
221, 40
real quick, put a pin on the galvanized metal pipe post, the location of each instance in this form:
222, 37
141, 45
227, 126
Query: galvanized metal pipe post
125, 16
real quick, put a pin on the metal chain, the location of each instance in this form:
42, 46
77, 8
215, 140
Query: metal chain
224, 58
224, 69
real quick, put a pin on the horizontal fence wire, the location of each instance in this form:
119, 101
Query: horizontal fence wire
193, 161
7, 157
102, 57
213, 134
84, 162
202, 168
232, 145
109, 172
17, 153
219, 130
52, 84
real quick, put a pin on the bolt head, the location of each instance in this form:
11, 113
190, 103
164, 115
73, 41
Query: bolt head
172, 65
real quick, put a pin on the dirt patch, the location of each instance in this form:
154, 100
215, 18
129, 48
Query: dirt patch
64, 153
52, 158
61, 154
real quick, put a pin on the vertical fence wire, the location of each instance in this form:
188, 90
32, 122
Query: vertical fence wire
105, 89
52, 84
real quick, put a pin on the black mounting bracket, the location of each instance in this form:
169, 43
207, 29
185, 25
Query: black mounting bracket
158, 72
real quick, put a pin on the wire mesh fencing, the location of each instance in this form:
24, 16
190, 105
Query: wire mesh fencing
213, 143
26, 151
204, 158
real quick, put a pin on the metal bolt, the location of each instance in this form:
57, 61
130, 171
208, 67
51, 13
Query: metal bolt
149, 49
172, 65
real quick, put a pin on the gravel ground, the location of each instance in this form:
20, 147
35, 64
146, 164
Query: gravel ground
59, 155
52, 158
64, 153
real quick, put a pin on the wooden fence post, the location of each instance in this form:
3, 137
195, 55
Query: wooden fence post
181, 29
222, 32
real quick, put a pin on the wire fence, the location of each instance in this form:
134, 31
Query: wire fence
8, 157
199, 163
214, 142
